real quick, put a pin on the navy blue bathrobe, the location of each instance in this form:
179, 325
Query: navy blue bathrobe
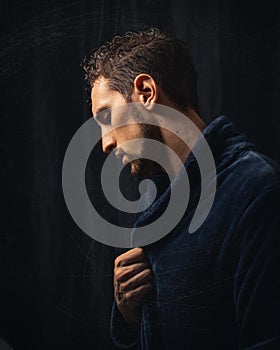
218, 288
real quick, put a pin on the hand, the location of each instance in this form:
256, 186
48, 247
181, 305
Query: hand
132, 281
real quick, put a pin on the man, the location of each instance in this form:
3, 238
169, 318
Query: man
219, 287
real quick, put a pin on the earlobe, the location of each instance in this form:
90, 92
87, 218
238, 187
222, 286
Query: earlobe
149, 105
147, 101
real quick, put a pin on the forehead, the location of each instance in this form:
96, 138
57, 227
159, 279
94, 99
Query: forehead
103, 97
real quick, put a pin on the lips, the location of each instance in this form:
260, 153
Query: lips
125, 159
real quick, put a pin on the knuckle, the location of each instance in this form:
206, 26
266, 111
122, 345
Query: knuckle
118, 276
129, 296
118, 262
120, 287
126, 286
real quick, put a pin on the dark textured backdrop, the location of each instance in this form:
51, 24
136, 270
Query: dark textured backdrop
56, 283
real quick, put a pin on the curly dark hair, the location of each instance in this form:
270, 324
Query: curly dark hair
152, 51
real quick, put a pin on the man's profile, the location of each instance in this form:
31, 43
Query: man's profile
218, 288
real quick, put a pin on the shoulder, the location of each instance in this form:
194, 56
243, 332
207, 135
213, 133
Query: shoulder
250, 171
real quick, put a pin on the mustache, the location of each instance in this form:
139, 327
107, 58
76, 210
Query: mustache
120, 153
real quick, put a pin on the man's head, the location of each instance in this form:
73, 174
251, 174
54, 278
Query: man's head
120, 123
147, 67
162, 56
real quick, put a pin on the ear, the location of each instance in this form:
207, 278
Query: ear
145, 90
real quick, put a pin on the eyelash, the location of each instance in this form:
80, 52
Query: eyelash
107, 118
104, 118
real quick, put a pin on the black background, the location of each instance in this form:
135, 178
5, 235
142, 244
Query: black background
56, 282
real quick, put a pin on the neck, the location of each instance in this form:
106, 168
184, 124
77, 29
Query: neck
192, 134
199, 123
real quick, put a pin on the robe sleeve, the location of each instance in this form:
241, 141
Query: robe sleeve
119, 331
257, 278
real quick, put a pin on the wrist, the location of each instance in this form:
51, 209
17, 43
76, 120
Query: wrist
132, 318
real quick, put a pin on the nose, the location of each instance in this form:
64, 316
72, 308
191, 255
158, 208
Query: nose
108, 142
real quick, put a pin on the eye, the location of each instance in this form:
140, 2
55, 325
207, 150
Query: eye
107, 118
104, 118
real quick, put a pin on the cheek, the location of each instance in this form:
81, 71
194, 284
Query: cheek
129, 132
120, 116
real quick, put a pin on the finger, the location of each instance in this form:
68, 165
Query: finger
138, 293
132, 256
142, 278
122, 274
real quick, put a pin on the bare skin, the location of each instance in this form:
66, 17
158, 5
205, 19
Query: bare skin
132, 281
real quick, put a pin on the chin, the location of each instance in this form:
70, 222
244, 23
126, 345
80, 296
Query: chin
135, 171
142, 169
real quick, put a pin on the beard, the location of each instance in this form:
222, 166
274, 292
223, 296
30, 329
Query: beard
143, 168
